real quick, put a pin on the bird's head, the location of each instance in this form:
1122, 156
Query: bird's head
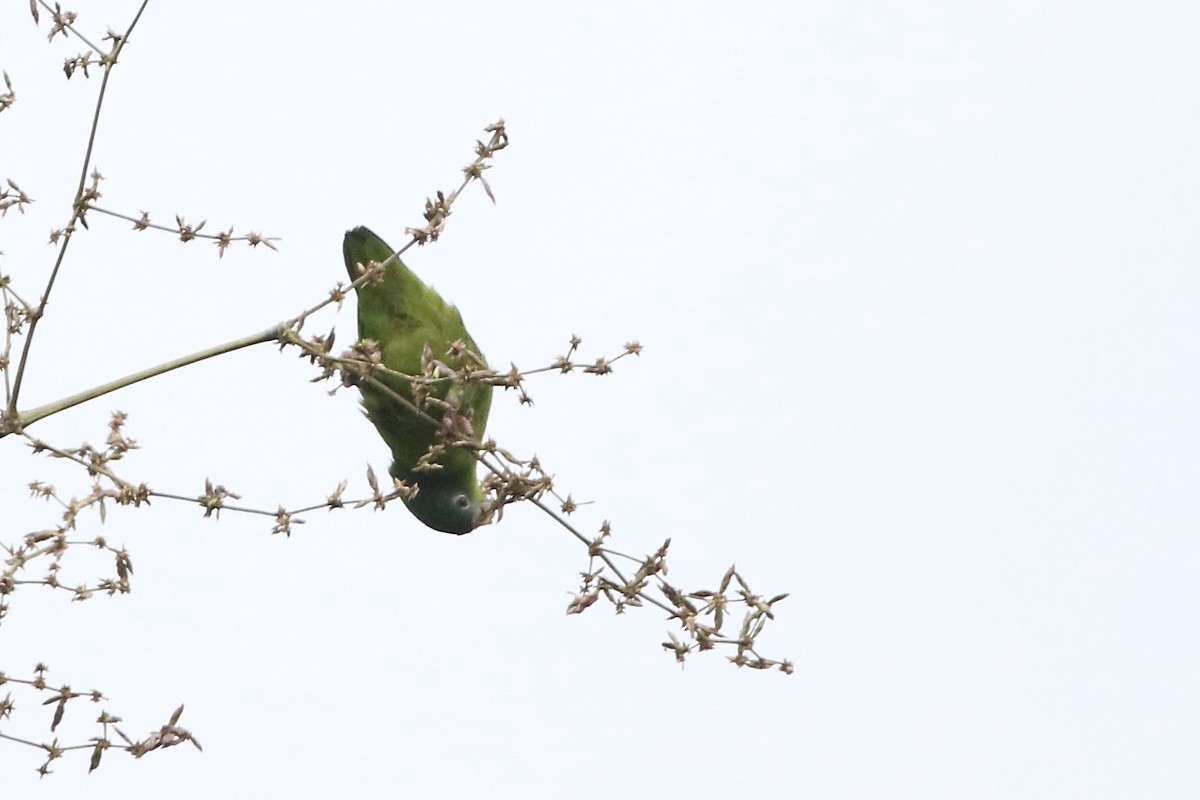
448, 505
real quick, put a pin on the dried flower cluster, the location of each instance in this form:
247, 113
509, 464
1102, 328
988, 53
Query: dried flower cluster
167, 735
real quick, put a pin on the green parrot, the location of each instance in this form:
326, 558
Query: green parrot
404, 315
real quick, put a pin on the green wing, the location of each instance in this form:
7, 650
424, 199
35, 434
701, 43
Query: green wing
403, 315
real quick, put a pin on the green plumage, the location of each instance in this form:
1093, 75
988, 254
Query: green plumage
403, 316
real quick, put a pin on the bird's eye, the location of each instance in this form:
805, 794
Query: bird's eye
462, 501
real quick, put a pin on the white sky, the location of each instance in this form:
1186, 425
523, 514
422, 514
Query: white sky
917, 284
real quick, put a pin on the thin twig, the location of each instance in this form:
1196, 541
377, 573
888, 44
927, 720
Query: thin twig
77, 209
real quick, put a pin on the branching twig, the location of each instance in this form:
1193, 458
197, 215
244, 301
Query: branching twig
81, 198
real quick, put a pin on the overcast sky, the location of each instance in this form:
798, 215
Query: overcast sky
917, 285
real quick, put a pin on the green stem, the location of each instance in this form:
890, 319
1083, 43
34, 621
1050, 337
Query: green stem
26, 418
